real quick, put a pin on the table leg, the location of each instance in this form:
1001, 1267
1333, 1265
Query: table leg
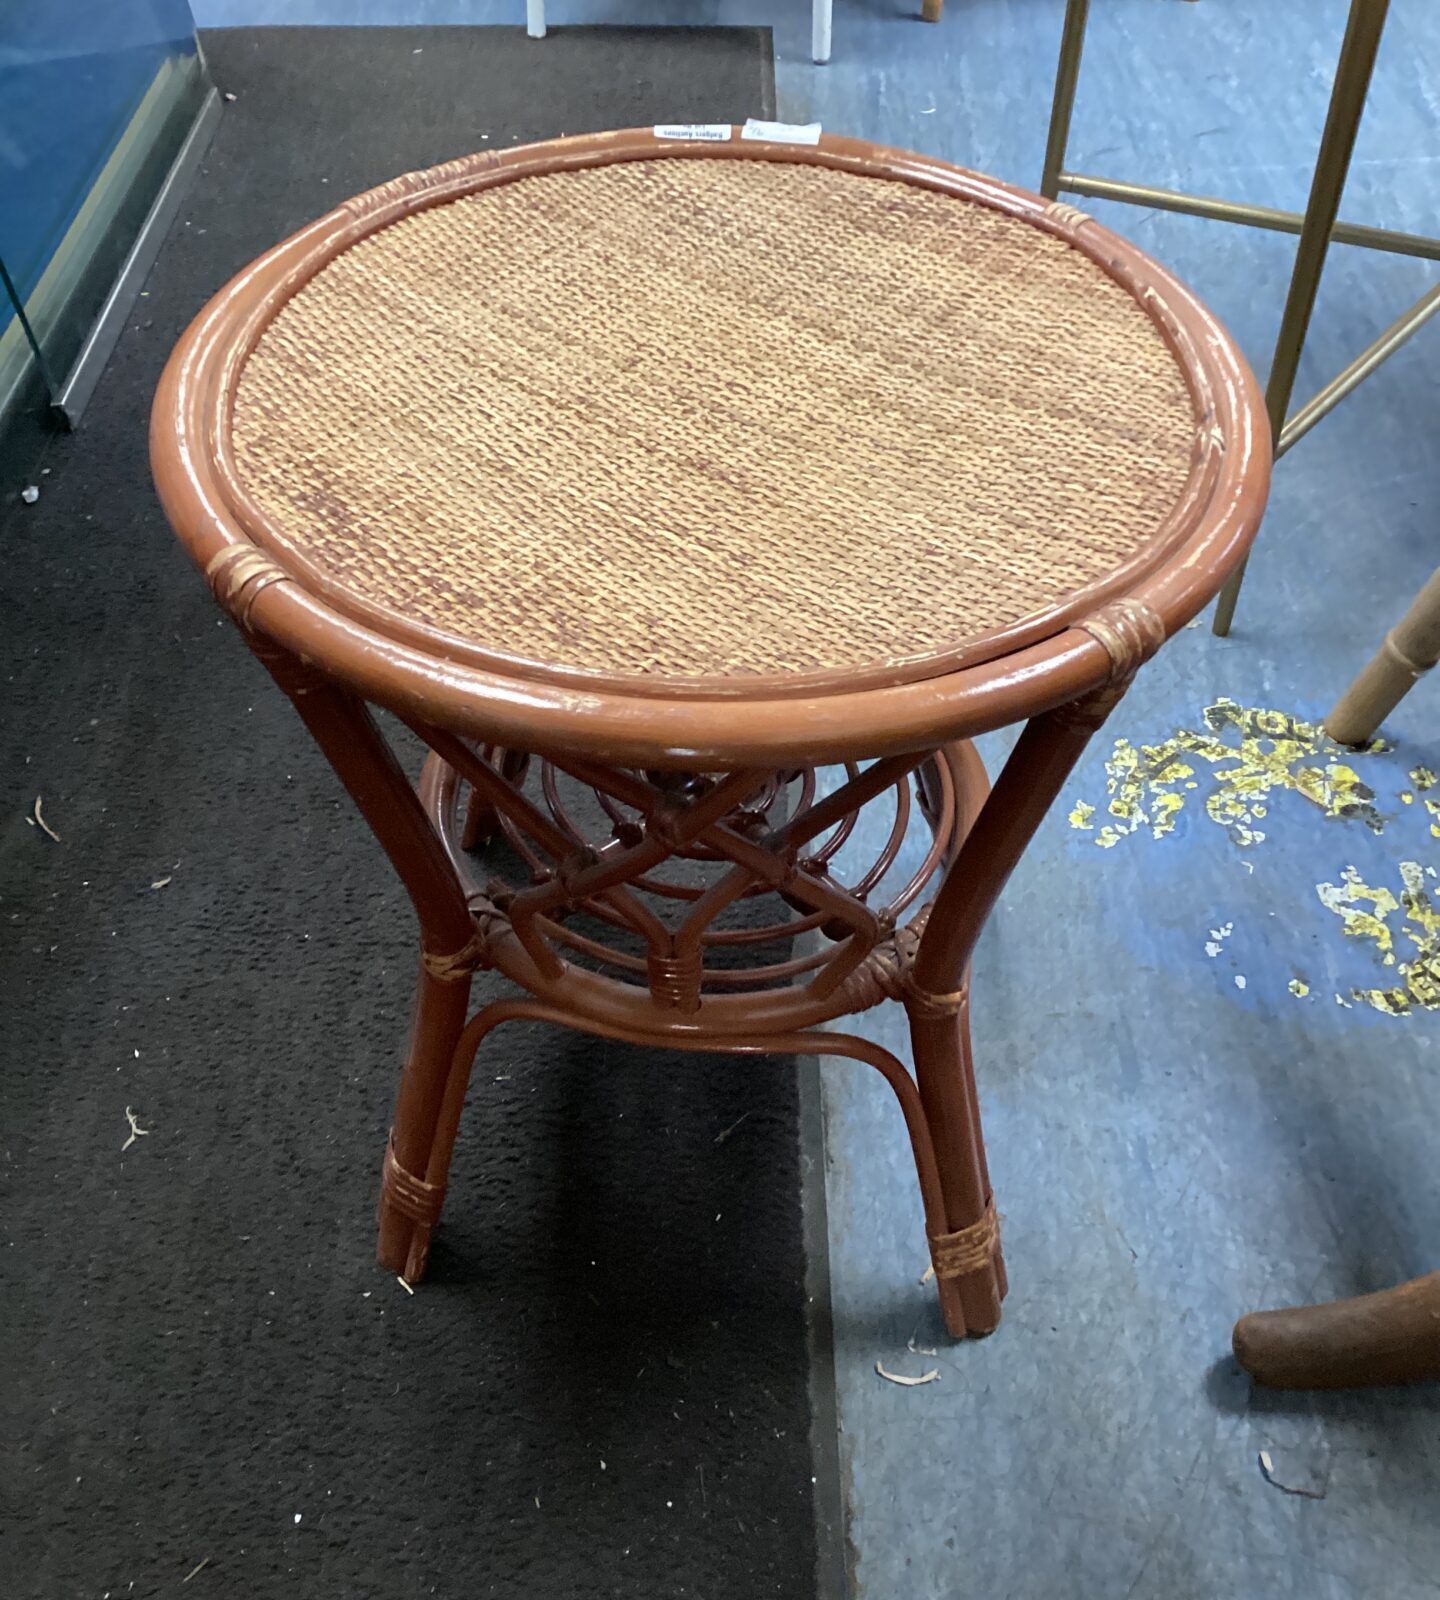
820, 11
482, 821
440, 1064
968, 1261
410, 1197
806, 1041
928, 971
343, 727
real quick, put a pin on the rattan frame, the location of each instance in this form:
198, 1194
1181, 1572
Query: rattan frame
1063, 672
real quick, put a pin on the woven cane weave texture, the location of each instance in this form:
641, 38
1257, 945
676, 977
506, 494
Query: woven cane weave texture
713, 418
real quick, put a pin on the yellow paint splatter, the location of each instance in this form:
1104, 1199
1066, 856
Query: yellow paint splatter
1420, 976
1246, 757
1253, 753
1346, 900
1433, 807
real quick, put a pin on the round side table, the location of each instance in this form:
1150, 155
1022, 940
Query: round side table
666, 475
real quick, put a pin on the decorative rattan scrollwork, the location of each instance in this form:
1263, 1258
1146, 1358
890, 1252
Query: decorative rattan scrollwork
656, 880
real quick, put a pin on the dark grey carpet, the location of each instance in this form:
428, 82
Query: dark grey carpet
602, 1388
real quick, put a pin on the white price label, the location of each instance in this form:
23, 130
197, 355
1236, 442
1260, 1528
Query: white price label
782, 132
706, 132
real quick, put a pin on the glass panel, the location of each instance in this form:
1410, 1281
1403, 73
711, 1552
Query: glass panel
95, 96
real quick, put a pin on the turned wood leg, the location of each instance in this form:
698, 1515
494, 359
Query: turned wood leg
1405, 655
410, 1198
1392, 1336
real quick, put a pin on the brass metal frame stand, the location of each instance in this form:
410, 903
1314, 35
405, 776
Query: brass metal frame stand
1317, 226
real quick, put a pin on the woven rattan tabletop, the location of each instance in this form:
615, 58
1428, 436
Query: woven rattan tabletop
716, 419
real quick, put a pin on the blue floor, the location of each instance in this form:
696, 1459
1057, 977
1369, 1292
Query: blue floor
1197, 1101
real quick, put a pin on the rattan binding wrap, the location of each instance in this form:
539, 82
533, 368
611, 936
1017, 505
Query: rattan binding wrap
969, 1249
713, 418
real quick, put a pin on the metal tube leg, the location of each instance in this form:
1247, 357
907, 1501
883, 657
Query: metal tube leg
409, 1202
820, 31
1320, 405
1342, 122
1408, 652
1062, 105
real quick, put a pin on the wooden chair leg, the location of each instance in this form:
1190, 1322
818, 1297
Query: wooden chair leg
969, 1271
409, 1201
1389, 1337
1408, 652
931, 9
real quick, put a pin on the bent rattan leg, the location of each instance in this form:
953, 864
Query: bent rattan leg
409, 1201
347, 735
965, 1250
459, 1064
482, 821
809, 1042
922, 1147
